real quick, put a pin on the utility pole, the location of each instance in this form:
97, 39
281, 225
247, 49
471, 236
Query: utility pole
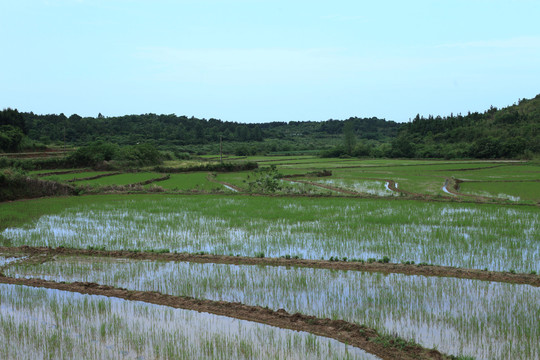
221, 149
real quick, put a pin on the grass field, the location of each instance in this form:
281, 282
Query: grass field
522, 191
191, 181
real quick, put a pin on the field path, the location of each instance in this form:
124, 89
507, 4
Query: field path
387, 268
355, 335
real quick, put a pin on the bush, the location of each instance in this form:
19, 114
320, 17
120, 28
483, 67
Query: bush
15, 184
266, 180
93, 154
138, 155
10, 138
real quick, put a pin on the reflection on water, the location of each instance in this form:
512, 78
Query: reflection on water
470, 236
456, 316
40, 323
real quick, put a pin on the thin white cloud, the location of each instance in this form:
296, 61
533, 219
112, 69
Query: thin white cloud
338, 17
246, 65
518, 42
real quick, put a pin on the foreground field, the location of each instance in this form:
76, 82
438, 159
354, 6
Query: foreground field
404, 259
434, 312
42, 323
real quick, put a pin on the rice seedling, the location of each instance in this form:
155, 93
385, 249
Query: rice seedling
371, 187
40, 323
459, 235
456, 316
513, 191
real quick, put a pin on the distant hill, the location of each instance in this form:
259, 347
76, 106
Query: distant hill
170, 131
510, 132
506, 133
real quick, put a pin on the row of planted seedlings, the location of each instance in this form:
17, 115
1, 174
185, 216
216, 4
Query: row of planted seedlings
461, 317
45, 323
159, 221
483, 237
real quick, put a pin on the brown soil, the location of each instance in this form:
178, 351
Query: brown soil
424, 270
346, 332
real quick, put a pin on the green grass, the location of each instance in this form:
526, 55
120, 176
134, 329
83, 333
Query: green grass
513, 191
190, 181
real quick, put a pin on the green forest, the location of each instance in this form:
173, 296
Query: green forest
511, 132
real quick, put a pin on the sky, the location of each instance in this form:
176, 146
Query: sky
255, 61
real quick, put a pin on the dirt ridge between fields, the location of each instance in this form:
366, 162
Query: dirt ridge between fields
387, 268
352, 334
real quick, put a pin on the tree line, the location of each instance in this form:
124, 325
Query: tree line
496, 133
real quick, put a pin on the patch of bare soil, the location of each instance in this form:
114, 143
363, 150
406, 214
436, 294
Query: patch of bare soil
412, 269
355, 335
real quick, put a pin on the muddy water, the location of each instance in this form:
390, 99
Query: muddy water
39, 323
435, 312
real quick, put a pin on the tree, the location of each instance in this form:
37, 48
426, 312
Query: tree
349, 137
14, 118
10, 138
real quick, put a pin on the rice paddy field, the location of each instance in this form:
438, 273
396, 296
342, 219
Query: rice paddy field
197, 181
484, 319
51, 324
461, 235
477, 215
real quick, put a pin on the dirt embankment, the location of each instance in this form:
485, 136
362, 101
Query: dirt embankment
94, 177
356, 335
424, 270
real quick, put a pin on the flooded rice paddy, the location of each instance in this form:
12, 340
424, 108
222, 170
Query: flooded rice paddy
469, 317
501, 238
371, 187
41, 323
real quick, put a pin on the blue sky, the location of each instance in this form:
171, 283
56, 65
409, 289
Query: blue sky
268, 60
